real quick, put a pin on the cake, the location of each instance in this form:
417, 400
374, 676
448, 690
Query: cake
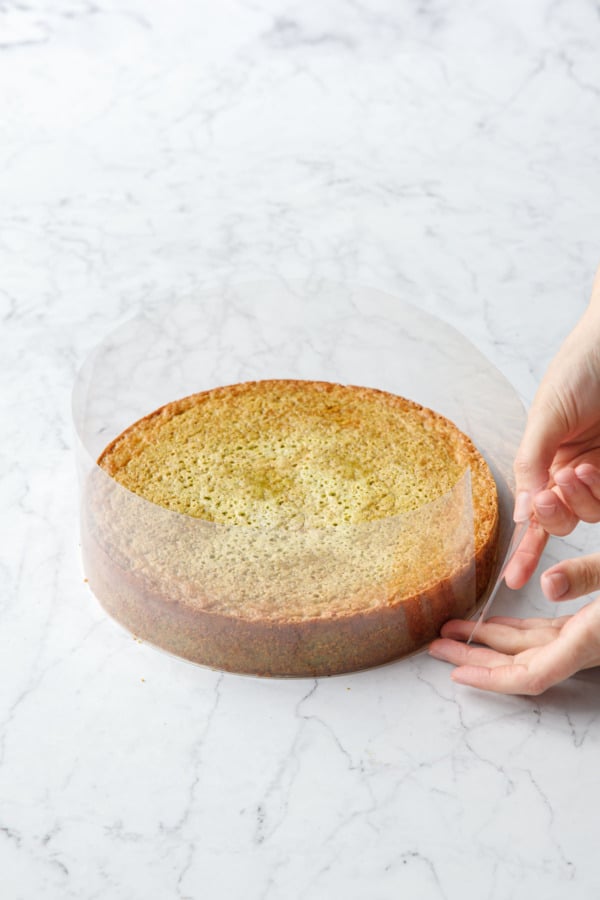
288, 527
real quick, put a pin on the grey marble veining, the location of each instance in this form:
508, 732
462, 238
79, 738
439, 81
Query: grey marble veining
448, 153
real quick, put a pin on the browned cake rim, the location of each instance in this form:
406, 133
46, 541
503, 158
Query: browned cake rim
473, 457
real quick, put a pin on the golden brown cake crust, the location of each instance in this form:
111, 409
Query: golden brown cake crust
162, 599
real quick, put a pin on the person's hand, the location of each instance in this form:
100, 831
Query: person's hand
557, 473
523, 656
557, 469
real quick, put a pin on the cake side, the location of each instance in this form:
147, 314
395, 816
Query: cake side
309, 647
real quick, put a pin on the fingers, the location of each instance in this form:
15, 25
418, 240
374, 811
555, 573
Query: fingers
486, 669
533, 674
547, 427
461, 654
523, 656
552, 513
573, 498
572, 578
590, 476
500, 637
511, 679
580, 491
524, 562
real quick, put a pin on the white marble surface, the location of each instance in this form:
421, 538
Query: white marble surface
448, 153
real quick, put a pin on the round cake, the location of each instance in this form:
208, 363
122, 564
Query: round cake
289, 527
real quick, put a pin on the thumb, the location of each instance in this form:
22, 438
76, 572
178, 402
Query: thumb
547, 427
572, 578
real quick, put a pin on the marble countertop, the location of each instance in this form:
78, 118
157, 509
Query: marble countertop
448, 154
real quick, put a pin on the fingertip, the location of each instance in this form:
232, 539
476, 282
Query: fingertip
553, 513
533, 461
454, 629
514, 580
519, 571
546, 504
452, 622
555, 585
523, 506
588, 474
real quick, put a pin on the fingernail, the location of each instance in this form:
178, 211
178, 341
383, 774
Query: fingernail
588, 475
523, 507
558, 584
546, 508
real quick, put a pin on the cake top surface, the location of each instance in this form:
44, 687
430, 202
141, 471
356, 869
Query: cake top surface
334, 485
269, 453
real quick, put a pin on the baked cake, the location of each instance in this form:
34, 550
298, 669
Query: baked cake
289, 527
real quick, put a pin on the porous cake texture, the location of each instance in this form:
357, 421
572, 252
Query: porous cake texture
289, 527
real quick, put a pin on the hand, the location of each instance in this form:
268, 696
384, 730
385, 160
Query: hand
523, 656
558, 484
557, 468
